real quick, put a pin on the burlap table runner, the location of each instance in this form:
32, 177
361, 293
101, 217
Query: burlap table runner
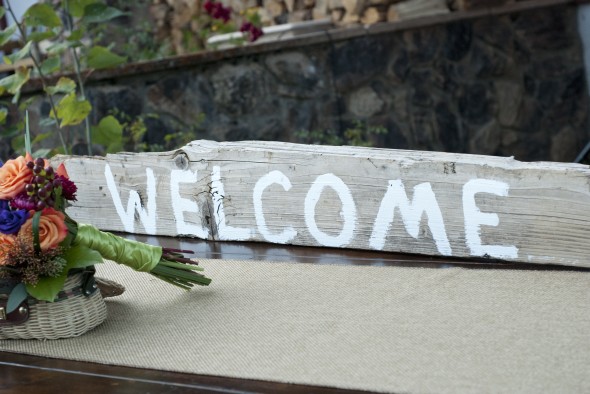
385, 329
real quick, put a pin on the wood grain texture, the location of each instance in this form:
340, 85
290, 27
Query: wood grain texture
544, 214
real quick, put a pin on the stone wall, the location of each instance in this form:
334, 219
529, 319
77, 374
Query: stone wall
510, 85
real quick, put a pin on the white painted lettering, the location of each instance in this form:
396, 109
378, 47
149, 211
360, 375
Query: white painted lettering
347, 213
474, 218
181, 205
423, 202
225, 232
265, 181
147, 216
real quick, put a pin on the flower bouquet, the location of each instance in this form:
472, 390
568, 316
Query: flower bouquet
47, 285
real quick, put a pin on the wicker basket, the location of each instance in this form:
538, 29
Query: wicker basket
78, 308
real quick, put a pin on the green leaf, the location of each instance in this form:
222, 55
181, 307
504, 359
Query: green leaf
44, 152
76, 7
16, 296
14, 82
98, 13
38, 138
2, 12
101, 57
38, 36
18, 144
71, 110
41, 14
47, 288
50, 65
76, 35
109, 133
6, 34
36, 221
47, 122
3, 115
77, 257
22, 53
63, 85
60, 47
80, 256
25, 104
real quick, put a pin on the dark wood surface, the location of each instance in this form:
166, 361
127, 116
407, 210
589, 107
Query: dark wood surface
30, 374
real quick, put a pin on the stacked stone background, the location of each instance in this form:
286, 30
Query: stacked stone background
511, 85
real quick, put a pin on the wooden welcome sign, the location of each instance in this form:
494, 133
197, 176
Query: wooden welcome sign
344, 197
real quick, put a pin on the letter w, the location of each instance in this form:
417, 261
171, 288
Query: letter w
147, 216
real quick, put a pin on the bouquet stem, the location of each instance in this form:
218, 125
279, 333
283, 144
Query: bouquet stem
166, 264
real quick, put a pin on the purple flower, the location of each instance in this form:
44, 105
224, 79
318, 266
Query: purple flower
11, 221
22, 201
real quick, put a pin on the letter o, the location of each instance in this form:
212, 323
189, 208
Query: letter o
348, 212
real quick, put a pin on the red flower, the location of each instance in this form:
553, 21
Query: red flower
254, 32
217, 10
68, 188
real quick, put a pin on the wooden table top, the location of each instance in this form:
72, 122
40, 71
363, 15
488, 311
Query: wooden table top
31, 374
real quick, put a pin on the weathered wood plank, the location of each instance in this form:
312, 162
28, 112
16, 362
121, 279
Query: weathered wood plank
348, 197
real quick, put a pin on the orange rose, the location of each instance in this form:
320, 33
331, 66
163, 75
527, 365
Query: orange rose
14, 175
52, 228
6, 244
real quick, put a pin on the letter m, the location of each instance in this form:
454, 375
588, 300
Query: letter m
423, 202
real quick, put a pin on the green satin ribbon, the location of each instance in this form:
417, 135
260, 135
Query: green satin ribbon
139, 256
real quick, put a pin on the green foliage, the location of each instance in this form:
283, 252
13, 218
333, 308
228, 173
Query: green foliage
69, 106
71, 110
77, 256
13, 83
6, 34
21, 54
360, 134
318, 137
120, 131
41, 14
109, 133
100, 13
63, 85
50, 65
101, 57
76, 7
75, 35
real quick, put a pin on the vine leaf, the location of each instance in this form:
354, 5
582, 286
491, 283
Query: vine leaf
41, 14
71, 110
101, 57
63, 85
13, 83
109, 133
